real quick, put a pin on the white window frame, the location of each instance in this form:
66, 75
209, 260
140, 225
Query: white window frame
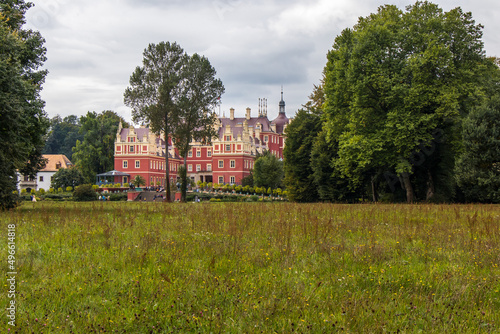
138, 164
190, 168
125, 163
221, 179
209, 167
232, 164
198, 153
221, 163
209, 153
232, 180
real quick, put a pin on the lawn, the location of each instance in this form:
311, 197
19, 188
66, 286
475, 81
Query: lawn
254, 267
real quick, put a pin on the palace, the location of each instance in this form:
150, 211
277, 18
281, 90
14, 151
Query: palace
228, 159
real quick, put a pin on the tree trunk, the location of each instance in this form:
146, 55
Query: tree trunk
408, 187
184, 180
430, 186
167, 167
374, 193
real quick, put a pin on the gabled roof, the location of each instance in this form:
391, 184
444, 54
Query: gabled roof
55, 162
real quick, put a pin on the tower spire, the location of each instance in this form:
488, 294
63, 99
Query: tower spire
282, 102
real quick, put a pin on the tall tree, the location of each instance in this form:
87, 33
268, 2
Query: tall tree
95, 154
268, 171
194, 118
396, 79
155, 89
300, 136
23, 122
478, 168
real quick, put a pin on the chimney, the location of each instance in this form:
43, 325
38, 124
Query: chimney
248, 113
231, 116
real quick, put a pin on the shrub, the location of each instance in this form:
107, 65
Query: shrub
254, 198
84, 193
33, 191
42, 191
59, 190
126, 185
51, 190
23, 191
118, 197
69, 189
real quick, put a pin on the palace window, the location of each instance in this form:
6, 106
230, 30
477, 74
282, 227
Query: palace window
137, 164
266, 138
190, 168
198, 153
190, 154
125, 164
221, 179
233, 164
209, 167
228, 148
209, 153
231, 179
198, 168
131, 149
221, 163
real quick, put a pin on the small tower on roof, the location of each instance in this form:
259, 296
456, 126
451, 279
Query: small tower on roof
282, 103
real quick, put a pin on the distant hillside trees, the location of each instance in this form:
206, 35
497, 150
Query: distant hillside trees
63, 135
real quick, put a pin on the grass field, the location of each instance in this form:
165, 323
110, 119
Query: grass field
254, 267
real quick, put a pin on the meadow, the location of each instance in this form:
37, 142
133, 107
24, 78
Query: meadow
254, 268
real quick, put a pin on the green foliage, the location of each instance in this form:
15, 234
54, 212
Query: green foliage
139, 181
392, 82
478, 168
118, 197
84, 193
42, 191
154, 89
63, 135
95, 154
268, 171
23, 122
59, 190
69, 189
301, 134
193, 118
67, 177
247, 180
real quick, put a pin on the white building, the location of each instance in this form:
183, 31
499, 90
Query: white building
44, 176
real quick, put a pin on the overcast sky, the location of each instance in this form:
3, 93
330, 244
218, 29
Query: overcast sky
256, 46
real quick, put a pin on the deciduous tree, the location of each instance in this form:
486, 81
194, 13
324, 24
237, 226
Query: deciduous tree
194, 118
155, 90
23, 122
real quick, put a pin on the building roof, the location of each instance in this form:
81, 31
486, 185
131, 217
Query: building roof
280, 122
55, 162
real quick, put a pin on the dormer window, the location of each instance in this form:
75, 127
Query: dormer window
58, 165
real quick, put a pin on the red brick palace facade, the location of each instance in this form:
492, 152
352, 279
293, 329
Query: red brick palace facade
228, 159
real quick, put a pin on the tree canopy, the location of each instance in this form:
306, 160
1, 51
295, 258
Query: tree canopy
194, 118
155, 89
23, 122
63, 135
268, 171
396, 81
95, 153
173, 93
